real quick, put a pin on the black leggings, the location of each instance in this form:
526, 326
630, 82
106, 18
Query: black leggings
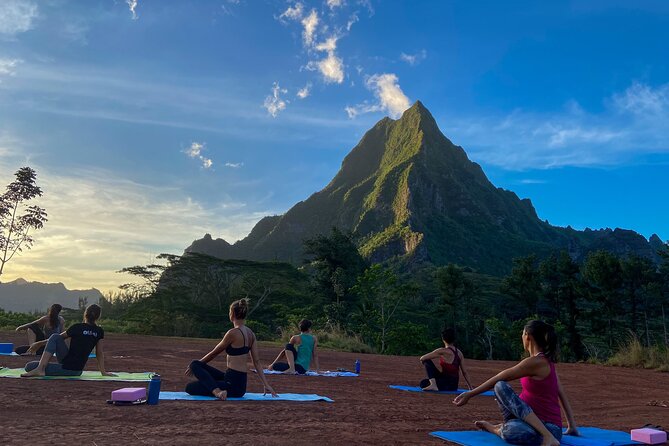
283, 366
209, 378
444, 381
39, 336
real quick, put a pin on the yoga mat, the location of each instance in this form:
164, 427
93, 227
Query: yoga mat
9, 354
92, 355
312, 373
590, 436
470, 438
85, 376
247, 397
446, 392
594, 436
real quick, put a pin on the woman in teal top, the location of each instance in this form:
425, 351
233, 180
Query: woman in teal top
299, 352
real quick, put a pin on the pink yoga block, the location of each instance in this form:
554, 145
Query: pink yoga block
129, 394
649, 436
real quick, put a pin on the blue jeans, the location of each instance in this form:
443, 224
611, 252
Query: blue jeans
514, 411
56, 346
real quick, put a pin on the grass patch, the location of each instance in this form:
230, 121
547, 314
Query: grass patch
634, 354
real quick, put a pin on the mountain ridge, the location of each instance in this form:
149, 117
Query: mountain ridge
24, 296
407, 191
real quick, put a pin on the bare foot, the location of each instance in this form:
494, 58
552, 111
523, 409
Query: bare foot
431, 388
221, 394
489, 427
270, 367
33, 372
289, 372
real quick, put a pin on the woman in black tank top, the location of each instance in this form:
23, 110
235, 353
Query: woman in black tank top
232, 382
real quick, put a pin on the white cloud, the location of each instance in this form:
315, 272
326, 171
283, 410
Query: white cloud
391, 98
234, 165
640, 98
330, 44
17, 16
310, 24
332, 68
8, 67
351, 20
414, 59
132, 5
303, 93
273, 103
195, 151
332, 4
293, 12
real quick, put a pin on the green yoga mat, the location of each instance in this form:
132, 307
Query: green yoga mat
85, 376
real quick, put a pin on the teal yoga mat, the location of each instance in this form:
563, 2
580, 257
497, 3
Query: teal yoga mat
445, 392
85, 376
247, 397
589, 436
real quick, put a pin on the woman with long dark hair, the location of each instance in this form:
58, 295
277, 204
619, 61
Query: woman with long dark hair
41, 329
238, 342
443, 365
71, 359
533, 417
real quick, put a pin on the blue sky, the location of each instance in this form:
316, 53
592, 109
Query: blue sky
153, 122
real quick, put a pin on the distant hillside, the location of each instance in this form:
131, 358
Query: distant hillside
407, 191
23, 296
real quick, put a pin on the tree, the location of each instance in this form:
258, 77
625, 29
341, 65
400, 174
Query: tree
603, 273
637, 272
524, 284
17, 218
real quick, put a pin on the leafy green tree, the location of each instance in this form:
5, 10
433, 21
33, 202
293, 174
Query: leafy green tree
603, 273
524, 284
569, 293
17, 218
637, 273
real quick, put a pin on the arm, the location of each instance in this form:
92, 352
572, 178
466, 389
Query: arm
39, 344
39, 321
432, 355
258, 366
572, 428
464, 371
100, 356
314, 354
526, 367
220, 348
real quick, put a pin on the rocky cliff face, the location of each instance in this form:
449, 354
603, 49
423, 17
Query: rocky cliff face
407, 191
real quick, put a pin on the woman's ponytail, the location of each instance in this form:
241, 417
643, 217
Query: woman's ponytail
545, 337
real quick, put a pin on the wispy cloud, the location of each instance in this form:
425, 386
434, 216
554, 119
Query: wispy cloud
292, 12
414, 59
17, 16
390, 97
8, 67
303, 93
234, 165
334, 4
632, 123
227, 9
88, 236
310, 24
351, 21
273, 103
132, 5
195, 151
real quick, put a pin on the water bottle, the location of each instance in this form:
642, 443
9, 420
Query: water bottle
154, 390
357, 366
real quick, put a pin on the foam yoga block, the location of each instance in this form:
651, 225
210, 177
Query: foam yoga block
649, 436
128, 394
6, 348
444, 392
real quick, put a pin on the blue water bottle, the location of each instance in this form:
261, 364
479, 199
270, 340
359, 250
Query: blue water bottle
154, 390
357, 366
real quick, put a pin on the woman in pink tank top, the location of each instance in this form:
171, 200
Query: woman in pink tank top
534, 417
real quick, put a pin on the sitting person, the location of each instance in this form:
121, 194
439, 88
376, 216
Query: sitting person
299, 352
71, 360
444, 374
534, 417
42, 329
238, 342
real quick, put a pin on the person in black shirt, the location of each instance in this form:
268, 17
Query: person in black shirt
71, 360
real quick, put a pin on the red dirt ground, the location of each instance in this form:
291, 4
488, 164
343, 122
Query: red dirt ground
365, 411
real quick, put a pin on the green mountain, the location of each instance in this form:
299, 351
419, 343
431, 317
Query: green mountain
407, 191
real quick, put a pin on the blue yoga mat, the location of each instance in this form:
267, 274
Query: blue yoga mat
247, 397
470, 438
92, 355
589, 436
446, 392
9, 354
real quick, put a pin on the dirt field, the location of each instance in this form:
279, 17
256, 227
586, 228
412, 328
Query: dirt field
365, 411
